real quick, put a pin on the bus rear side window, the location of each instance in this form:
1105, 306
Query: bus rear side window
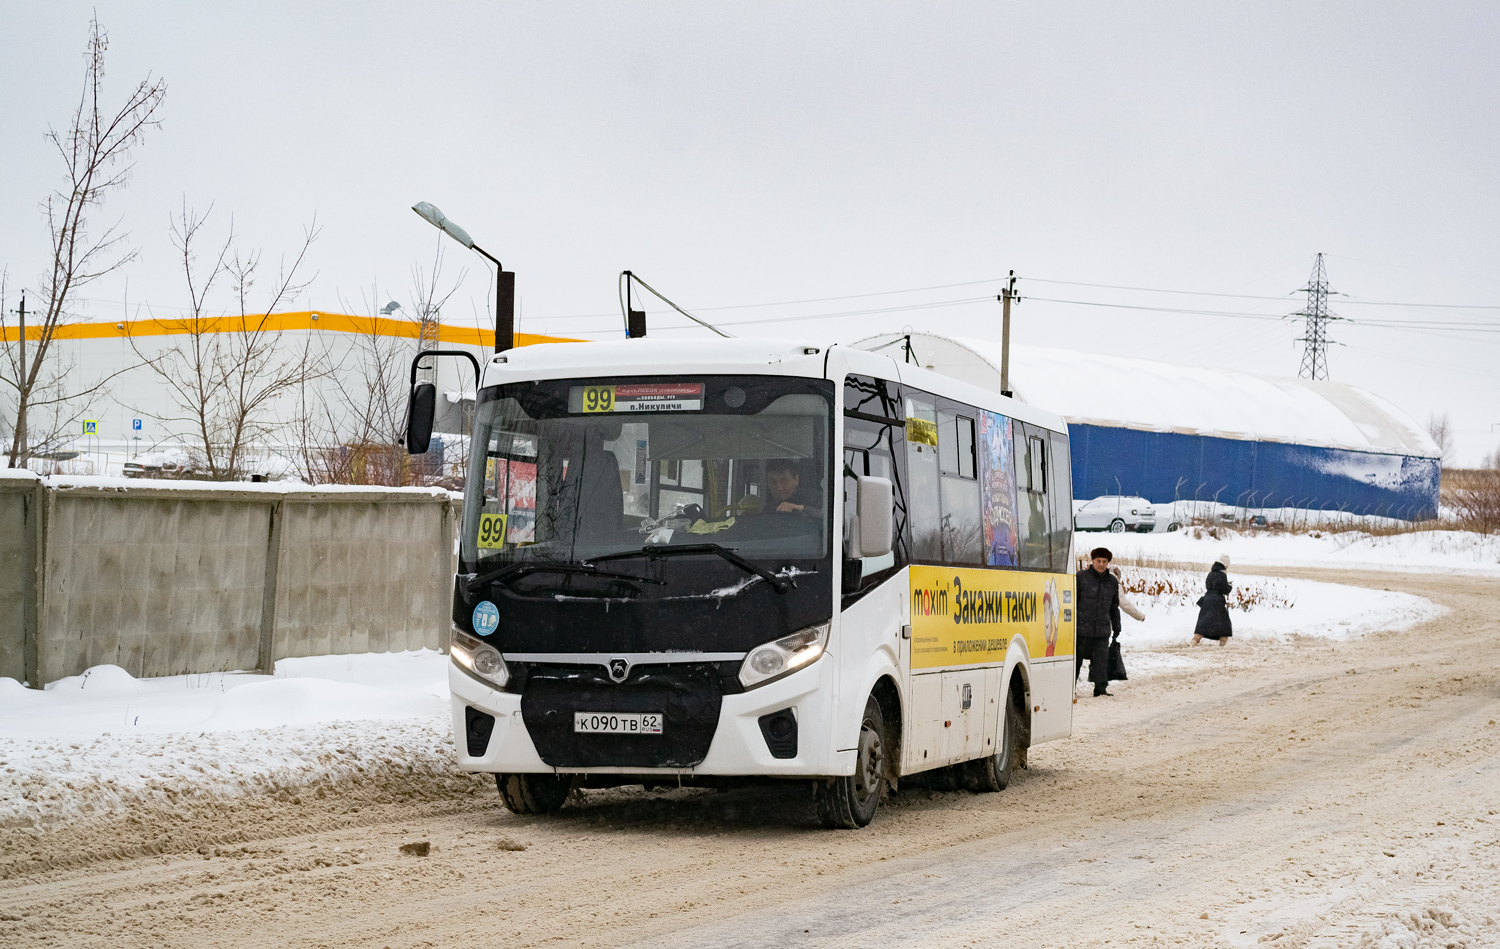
1033, 510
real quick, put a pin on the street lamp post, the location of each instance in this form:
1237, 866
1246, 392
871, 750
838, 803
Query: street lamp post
505, 281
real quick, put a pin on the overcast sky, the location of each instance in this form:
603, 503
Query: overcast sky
737, 154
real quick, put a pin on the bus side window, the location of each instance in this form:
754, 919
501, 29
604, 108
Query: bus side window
1061, 492
924, 513
1035, 513
962, 526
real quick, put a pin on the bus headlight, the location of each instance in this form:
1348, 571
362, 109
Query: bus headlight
779, 657
480, 660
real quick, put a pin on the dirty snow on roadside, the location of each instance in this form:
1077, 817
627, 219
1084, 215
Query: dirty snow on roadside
103, 741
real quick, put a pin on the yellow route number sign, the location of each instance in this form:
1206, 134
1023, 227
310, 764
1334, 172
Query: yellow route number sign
491, 531
598, 398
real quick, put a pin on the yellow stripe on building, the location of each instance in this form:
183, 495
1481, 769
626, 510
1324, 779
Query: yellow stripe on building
281, 322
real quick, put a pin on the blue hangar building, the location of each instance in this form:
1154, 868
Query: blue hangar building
1178, 433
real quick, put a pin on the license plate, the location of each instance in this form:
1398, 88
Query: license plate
618, 723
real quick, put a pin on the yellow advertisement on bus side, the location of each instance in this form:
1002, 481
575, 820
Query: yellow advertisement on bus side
962, 616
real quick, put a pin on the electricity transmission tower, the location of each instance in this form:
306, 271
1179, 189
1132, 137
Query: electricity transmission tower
1315, 340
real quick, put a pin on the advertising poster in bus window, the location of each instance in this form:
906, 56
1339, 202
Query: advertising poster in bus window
997, 487
520, 502
964, 616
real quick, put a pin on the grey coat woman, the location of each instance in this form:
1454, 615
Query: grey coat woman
1213, 606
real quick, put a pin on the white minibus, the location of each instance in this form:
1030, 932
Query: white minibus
694, 562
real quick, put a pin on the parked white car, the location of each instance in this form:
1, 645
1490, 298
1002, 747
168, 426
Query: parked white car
1116, 513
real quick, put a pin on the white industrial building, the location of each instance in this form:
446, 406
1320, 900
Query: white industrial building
357, 366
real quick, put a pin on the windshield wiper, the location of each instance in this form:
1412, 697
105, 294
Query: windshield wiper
528, 567
654, 551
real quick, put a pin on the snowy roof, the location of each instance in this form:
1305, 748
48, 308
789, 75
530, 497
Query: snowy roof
1123, 392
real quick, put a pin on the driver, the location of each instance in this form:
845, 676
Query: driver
784, 482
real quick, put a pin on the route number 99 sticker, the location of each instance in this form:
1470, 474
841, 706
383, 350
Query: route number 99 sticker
645, 397
491, 531
598, 398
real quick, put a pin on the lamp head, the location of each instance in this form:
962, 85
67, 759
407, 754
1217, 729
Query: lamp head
435, 217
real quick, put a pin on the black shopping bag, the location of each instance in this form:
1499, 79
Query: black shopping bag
1116, 663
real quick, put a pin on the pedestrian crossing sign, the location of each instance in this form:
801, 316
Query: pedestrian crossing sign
90, 426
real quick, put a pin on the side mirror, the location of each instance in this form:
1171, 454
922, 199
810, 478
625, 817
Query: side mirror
420, 409
875, 504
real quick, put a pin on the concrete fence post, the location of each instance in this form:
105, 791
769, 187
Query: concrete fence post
21, 504
266, 656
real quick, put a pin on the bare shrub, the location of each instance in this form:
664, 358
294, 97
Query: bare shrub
353, 434
1176, 587
1477, 504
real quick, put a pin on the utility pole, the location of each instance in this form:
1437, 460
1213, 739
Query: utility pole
1005, 298
1315, 339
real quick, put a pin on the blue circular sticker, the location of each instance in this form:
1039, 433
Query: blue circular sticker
486, 618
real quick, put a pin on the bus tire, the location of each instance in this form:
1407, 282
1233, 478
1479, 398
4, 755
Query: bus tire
533, 793
993, 772
846, 803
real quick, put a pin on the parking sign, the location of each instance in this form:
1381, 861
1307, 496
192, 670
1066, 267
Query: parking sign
135, 424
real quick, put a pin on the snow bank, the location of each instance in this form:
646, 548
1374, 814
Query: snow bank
107, 699
1421, 552
105, 742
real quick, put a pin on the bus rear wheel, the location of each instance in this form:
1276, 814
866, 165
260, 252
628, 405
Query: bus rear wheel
533, 793
993, 773
845, 803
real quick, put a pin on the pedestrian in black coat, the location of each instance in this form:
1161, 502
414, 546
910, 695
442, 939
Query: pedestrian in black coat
1213, 606
1097, 617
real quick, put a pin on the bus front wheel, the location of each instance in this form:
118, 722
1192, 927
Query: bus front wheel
533, 793
849, 802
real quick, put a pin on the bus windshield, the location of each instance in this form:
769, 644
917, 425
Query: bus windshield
564, 471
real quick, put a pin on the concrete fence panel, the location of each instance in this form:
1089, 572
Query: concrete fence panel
171, 578
158, 585
361, 575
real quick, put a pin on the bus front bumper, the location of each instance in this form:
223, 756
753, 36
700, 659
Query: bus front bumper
739, 745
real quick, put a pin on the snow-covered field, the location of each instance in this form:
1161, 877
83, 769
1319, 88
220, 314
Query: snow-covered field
1424, 551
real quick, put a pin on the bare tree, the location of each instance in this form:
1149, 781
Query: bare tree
229, 373
1441, 431
95, 149
352, 429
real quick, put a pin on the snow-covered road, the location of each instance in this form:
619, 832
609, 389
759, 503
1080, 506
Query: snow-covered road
1298, 791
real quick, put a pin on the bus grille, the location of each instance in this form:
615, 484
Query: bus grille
687, 695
